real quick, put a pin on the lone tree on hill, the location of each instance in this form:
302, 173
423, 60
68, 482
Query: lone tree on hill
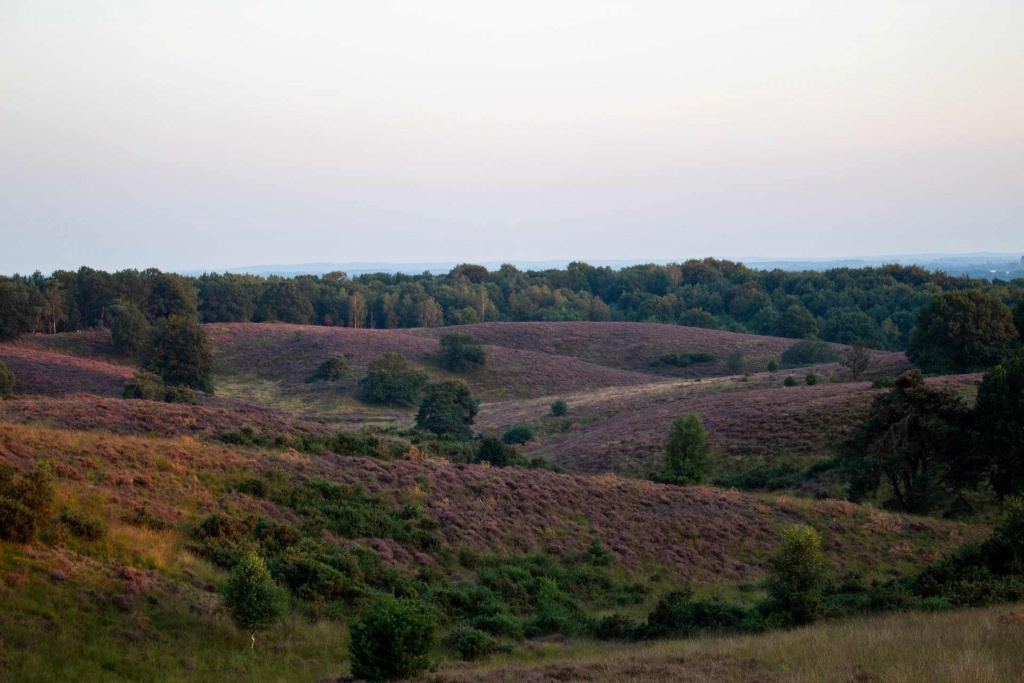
999, 416
799, 574
856, 359
963, 331
559, 408
391, 379
252, 597
129, 329
180, 353
687, 453
448, 407
460, 352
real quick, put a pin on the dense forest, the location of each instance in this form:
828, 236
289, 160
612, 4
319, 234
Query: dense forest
877, 307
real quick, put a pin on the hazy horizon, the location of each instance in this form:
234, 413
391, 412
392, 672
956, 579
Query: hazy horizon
192, 135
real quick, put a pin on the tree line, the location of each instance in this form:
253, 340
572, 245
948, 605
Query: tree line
877, 307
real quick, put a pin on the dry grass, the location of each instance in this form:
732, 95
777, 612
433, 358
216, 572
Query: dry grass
969, 646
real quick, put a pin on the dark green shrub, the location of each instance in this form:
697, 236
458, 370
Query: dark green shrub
519, 434
617, 627
333, 368
461, 352
557, 612
559, 408
678, 615
26, 502
83, 525
808, 352
472, 643
494, 452
500, 624
179, 351
811, 378
6, 380
391, 379
734, 360
773, 366
789, 382
392, 639
683, 360
149, 387
246, 436
798, 574
884, 383
597, 553
448, 408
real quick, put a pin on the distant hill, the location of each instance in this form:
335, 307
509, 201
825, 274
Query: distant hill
986, 265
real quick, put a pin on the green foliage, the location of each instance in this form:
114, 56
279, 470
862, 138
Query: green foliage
149, 387
251, 596
559, 408
333, 368
999, 417
798, 574
1018, 317
915, 441
808, 352
597, 554
687, 452
129, 329
855, 358
448, 408
472, 643
392, 639
773, 366
461, 352
963, 331
811, 378
179, 351
797, 322
683, 360
26, 502
734, 360
390, 379
83, 525
494, 452
6, 380
679, 615
789, 381
519, 434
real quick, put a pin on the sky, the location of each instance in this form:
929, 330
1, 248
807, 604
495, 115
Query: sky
215, 133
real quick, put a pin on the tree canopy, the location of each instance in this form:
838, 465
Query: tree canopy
963, 331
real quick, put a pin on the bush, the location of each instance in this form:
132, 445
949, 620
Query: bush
25, 503
683, 360
333, 368
448, 407
392, 639
6, 380
252, 597
687, 453
789, 382
129, 329
597, 554
678, 615
734, 360
83, 525
617, 627
811, 378
798, 574
180, 353
773, 366
460, 352
559, 408
808, 352
149, 387
518, 435
472, 643
494, 452
391, 379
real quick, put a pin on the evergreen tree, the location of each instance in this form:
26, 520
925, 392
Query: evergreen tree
687, 453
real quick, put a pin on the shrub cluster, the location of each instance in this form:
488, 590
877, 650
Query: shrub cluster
333, 368
150, 387
25, 502
461, 352
6, 380
683, 360
808, 352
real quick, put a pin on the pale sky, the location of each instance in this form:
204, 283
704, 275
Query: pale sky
213, 134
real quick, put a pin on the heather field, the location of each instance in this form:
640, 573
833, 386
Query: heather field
154, 500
